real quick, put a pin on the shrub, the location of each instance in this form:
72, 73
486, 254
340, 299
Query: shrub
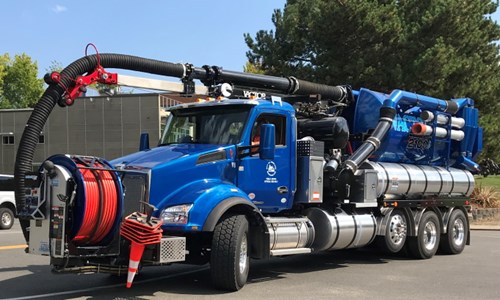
485, 196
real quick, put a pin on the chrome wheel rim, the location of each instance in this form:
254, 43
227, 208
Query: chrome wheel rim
6, 219
430, 235
397, 230
243, 254
458, 232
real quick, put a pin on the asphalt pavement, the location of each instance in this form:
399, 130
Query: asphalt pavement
349, 274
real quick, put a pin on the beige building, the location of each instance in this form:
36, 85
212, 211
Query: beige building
107, 127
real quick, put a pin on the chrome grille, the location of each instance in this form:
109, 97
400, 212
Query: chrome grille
172, 249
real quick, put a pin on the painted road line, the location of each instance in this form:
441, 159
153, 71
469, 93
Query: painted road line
11, 232
12, 247
109, 286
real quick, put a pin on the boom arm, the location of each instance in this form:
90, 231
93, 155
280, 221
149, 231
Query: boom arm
64, 88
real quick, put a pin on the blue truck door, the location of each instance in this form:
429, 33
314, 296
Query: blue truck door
268, 182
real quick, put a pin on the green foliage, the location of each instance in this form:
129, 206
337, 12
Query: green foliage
4, 60
442, 48
253, 68
55, 66
490, 181
19, 85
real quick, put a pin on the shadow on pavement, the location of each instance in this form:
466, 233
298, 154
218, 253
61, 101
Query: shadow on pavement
175, 279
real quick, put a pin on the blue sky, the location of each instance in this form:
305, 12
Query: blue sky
187, 31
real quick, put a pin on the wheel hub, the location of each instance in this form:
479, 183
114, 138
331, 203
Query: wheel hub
397, 229
458, 233
243, 254
6, 219
430, 235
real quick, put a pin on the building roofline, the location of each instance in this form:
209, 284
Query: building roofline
174, 96
15, 109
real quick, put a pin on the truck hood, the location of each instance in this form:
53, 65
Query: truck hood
149, 159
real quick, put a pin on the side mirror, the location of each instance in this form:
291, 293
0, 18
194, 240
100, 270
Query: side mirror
144, 141
267, 141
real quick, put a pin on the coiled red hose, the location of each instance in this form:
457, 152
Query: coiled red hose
101, 205
110, 204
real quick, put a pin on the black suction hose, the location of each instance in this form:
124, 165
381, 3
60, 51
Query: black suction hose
335, 93
26, 150
52, 95
370, 145
284, 85
88, 64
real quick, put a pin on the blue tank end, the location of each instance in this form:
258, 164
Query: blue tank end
425, 131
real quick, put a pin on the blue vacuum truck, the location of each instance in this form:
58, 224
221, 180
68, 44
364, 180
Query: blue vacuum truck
265, 166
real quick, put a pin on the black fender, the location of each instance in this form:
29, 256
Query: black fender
418, 213
411, 227
259, 233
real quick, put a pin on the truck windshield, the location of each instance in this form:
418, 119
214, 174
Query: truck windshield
206, 125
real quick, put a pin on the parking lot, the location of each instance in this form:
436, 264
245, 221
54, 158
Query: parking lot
358, 274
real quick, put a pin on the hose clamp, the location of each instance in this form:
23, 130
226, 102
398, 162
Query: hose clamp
374, 141
351, 165
345, 93
187, 80
294, 85
183, 70
386, 119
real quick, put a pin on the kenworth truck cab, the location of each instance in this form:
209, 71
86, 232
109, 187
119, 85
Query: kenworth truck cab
315, 168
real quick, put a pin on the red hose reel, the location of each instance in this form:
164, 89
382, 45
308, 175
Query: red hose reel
101, 206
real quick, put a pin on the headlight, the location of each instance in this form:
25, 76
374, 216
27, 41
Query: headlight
176, 214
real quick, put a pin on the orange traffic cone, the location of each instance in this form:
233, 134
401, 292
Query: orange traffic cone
136, 251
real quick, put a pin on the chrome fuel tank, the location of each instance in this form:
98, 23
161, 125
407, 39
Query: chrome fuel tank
407, 180
289, 233
341, 230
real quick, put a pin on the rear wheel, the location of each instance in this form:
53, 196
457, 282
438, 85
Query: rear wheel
426, 243
229, 261
395, 233
6, 218
453, 242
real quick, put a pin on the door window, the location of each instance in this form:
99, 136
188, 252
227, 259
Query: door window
279, 123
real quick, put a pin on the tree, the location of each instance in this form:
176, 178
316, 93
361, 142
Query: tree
4, 60
252, 68
19, 85
443, 48
55, 66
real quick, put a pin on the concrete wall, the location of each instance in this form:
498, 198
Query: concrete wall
107, 127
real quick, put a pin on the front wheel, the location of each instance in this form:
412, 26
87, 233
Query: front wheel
229, 260
426, 243
457, 233
6, 218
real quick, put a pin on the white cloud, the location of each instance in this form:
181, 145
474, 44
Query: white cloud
59, 9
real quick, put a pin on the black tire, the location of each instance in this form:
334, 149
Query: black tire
6, 218
426, 243
396, 232
229, 260
457, 233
